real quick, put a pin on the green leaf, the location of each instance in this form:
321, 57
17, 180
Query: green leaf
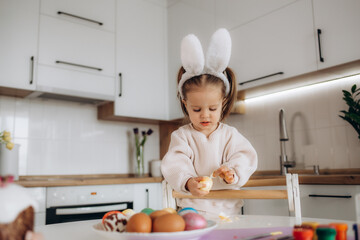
353, 88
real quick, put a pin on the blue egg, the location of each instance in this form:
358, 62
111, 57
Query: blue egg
186, 210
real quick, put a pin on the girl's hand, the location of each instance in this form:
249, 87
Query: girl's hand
194, 185
225, 173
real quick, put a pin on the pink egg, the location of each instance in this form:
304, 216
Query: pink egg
194, 221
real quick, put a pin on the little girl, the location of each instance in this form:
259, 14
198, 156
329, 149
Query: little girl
206, 146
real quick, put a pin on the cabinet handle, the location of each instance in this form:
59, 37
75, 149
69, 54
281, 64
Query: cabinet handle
319, 42
147, 197
120, 81
330, 196
78, 65
32, 70
255, 79
75, 16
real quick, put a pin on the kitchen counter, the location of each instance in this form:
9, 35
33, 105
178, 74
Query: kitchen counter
259, 178
80, 180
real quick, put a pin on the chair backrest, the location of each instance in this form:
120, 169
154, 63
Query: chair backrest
291, 193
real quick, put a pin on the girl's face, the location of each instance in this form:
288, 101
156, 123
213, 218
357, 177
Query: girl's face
204, 106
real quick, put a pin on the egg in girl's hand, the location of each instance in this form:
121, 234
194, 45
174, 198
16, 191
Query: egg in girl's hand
139, 222
169, 223
208, 182
194, 221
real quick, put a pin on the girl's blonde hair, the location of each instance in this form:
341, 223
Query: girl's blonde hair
205, 79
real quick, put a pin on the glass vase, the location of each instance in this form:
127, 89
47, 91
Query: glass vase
139, 161
9, 161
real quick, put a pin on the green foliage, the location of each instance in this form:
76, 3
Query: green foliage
353, 114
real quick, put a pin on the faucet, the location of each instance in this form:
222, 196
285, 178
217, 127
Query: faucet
284, 163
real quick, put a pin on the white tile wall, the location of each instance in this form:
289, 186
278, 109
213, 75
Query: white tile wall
58, 137
317, 134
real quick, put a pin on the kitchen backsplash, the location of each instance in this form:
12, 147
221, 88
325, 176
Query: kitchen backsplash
59, 137
317, 135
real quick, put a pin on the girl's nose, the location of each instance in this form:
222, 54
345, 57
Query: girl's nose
205, 113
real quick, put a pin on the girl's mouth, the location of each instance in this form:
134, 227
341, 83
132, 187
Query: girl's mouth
205, 123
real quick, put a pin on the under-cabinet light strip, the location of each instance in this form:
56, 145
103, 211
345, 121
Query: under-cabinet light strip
352, 78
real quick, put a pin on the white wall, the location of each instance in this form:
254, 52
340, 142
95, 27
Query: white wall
59, 137
317, 135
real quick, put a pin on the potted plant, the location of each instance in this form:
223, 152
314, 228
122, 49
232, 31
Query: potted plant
352, 115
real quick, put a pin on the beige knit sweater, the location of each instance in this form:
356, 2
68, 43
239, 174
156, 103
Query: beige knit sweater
192, 154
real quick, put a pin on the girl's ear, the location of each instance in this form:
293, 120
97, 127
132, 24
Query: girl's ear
184, 102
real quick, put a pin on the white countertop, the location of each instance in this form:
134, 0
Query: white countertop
84, 230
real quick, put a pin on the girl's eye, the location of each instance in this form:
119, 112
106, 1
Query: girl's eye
196, 110
212, 109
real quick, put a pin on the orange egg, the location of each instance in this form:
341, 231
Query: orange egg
169, 223
158, 213
139, 222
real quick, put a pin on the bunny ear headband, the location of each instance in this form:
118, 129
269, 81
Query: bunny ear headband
217, 57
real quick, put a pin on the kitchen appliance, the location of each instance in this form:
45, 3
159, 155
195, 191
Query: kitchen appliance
78, 203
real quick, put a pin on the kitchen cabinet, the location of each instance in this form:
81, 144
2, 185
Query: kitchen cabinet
273, 207
19, 21
141, 64
233, 13
147, 195
77, 48
199, 20
276, 46
39, 195
339, 36
329, 201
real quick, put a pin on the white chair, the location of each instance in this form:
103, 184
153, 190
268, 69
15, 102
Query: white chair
292, 194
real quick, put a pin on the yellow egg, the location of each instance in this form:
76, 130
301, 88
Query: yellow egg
169, 223
170, 210
139, 222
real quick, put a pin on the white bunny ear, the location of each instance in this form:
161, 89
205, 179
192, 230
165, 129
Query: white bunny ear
192, 56
219, 51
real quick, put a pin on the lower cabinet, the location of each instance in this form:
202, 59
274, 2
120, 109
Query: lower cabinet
147, 195
39, 195
329, 201
273, 207
317, 201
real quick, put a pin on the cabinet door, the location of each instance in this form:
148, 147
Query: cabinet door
339, 22
75, 59
329, 201
233, 13
19, 21
93, 13
277, 46
147, 195
141, 60
273, 207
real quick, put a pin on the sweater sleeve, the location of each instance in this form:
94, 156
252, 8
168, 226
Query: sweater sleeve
177, 165
241, 156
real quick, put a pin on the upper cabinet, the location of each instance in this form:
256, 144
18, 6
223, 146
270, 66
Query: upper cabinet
337, 27
185, 17
77, 48
275, 46
141, 63
19, 21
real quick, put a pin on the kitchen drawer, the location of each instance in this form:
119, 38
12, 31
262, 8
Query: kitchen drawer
329, 201
94, 12
75, 83
72, 43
